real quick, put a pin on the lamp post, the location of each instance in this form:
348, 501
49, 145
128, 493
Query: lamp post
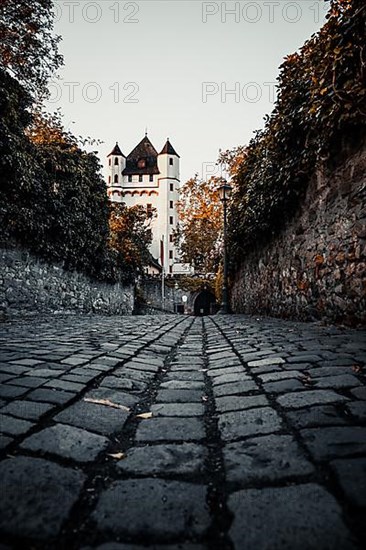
176, 286
225, 192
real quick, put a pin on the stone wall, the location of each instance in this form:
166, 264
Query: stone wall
28, 285
316, 268
151, 292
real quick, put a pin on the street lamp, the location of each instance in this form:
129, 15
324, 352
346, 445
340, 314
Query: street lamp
225, 192
176, 286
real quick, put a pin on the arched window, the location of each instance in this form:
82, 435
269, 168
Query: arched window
116, 178
116, 161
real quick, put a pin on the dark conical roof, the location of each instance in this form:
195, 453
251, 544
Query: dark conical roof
168, 149
116, 151
143, 150
142, 159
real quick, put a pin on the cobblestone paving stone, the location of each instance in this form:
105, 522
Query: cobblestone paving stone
169, 432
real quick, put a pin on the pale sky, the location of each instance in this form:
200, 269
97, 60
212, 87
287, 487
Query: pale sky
169, 66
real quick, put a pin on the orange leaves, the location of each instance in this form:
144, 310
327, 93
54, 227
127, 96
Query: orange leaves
200, 223
130, 234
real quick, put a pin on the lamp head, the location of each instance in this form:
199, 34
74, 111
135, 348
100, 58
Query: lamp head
225, 191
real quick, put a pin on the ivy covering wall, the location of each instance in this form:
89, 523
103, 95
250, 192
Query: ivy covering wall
321, 103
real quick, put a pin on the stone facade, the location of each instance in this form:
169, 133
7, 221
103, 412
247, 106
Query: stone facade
316, 268
28, 285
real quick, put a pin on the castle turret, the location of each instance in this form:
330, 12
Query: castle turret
116, 165
168, 162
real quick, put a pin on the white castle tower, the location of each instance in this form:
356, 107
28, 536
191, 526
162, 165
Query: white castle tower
150, 179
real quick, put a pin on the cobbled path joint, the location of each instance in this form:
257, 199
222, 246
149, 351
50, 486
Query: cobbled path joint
228, 432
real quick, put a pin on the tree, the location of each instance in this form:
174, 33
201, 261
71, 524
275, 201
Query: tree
232, 159
200, 220
17, 164
72, 210
28, 46
53, 200
130, 236
320, 104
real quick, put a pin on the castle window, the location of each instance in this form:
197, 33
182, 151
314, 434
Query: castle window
149, 212
116, 179
151, 177
171, 162
110, 162
116, 161
170, 254
109, 179
141, 178
172, 186
141, 163
130, 179
171, 204
171, 238
171, 220
170, 269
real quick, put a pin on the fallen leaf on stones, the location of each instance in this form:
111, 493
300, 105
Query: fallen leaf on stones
145, 415
107, 403
204, 398
357, 369
307, 381
118, 456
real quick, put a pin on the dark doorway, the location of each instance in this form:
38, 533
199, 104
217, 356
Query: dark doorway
204, 303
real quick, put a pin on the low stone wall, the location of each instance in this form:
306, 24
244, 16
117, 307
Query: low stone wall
28, 285
316, 268
151, 291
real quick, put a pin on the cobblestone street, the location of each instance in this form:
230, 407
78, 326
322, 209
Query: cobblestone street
225, 432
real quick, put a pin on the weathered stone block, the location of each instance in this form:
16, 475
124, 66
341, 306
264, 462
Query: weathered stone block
153, 509
37, 496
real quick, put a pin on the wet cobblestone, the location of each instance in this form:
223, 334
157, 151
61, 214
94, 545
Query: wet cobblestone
225, 433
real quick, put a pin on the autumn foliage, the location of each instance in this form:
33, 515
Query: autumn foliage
28, 45
130, 236
53, 199
200, 220
321, 101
